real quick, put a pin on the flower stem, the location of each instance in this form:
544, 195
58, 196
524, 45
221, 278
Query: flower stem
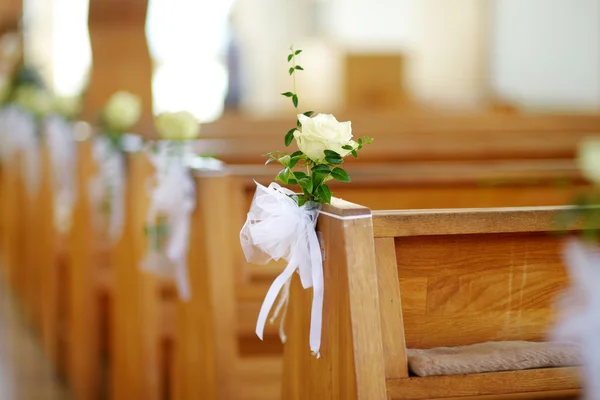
294, 73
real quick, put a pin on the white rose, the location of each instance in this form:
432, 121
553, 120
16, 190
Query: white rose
67, 107
321, 133
177, 125
589, 158
34, 99
122, 112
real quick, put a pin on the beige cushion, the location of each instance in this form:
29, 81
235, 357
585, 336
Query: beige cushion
491, 357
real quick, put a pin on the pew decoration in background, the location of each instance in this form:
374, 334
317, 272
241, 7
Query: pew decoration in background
281, 224
59, 135
172, 199
579, 308
25, 105
120, 114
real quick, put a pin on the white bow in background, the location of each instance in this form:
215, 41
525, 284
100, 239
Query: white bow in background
276, 228
172, 200
18, 133
59, 134
579, 310
108, 186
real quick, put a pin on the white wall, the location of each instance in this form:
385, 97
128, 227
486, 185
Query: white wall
448, 58
546, 53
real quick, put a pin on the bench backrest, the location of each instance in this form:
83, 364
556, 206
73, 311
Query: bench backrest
421, 279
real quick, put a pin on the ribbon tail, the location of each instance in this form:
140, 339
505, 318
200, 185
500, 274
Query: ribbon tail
271, 296
282, 304
316, 317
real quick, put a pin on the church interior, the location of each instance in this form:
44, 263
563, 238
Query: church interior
299, 199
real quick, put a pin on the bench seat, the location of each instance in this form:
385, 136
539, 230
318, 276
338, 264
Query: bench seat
491, 357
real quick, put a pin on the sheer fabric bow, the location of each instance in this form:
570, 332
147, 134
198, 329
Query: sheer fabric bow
276, 228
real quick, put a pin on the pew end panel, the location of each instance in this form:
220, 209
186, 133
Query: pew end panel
205, 335
351, 365
444, 278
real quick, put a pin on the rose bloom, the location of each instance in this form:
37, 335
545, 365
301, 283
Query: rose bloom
122, 112
321, 133
177, 125
589, 158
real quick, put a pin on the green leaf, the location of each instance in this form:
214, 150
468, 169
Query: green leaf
297, 52
290, 57
324, 194
270, 160
298, 123
309, 113
285, 160
300, 175
331, 153
334, 161
289, 136
282, 176
301, 201
318, 178
297, 153
295, 100
306, 184
360, 142
291, 70
299, 68
321, 168
340, 175
287, 94
355, 153
294, 161
347, 147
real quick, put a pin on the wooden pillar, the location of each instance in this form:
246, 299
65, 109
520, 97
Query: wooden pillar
121, 60
11, 12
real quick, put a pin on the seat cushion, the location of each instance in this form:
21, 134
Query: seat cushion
491, 357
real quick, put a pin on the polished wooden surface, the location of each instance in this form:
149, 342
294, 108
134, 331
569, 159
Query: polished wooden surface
451, 282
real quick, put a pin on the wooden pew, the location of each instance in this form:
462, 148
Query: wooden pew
406, 138
256, 364
424, 279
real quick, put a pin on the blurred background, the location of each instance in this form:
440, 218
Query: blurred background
216, 58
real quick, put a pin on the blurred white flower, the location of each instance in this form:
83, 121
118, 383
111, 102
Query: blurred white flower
122, 111
67, 107
34, 99
177, 125
589, 158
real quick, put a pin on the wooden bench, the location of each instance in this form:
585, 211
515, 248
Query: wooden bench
96, 303
426, 279
415, 138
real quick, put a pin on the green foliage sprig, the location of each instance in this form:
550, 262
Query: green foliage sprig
310, 174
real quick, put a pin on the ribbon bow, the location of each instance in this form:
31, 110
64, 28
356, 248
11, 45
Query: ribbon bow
579, 320
18, 130
60, 140
276, 228
172, 197
109, 184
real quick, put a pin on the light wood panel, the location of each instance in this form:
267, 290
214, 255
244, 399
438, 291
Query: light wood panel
446, 283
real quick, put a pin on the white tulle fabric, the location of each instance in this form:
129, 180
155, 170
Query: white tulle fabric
109, 184
579, 310
18, 130
172, 197
59, 135
276, 228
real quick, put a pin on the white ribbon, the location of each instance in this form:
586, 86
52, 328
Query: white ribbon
276, 228
18, 131
173, 198
109, 184
59, 134
579, 312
